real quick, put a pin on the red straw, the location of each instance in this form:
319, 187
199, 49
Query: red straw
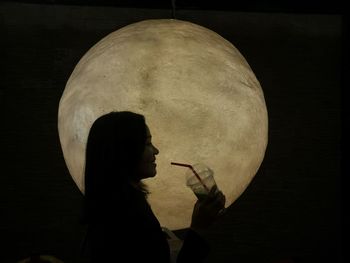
194, 171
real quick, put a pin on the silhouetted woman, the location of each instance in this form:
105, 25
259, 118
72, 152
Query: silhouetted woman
121, 224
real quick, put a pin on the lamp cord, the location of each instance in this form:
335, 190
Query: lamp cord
173, 4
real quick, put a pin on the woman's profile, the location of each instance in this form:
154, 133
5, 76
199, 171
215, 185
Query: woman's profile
121, 226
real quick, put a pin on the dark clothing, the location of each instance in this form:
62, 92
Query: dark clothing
133, 234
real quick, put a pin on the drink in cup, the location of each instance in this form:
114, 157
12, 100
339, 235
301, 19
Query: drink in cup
200, 178
200, 188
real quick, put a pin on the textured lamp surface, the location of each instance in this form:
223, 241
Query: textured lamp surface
200, 98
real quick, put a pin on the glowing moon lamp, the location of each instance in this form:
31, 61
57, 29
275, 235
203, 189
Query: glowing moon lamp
200, 98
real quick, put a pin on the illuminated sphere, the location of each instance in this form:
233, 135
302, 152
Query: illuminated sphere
200, 99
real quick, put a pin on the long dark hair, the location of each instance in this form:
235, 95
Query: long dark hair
114, 149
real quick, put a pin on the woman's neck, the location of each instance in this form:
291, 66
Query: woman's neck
135, 184
139, 186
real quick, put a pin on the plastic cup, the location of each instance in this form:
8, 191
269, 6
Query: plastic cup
202, 187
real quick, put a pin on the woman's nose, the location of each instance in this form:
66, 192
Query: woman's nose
155, 150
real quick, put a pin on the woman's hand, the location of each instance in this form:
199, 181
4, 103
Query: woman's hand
207, 210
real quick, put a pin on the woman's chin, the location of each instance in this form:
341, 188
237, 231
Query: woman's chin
151, 174
154, 173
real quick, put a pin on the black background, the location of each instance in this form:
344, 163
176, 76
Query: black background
291, 210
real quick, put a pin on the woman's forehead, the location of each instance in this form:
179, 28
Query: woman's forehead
148, 132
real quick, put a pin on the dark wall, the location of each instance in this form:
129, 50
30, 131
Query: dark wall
291, 209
